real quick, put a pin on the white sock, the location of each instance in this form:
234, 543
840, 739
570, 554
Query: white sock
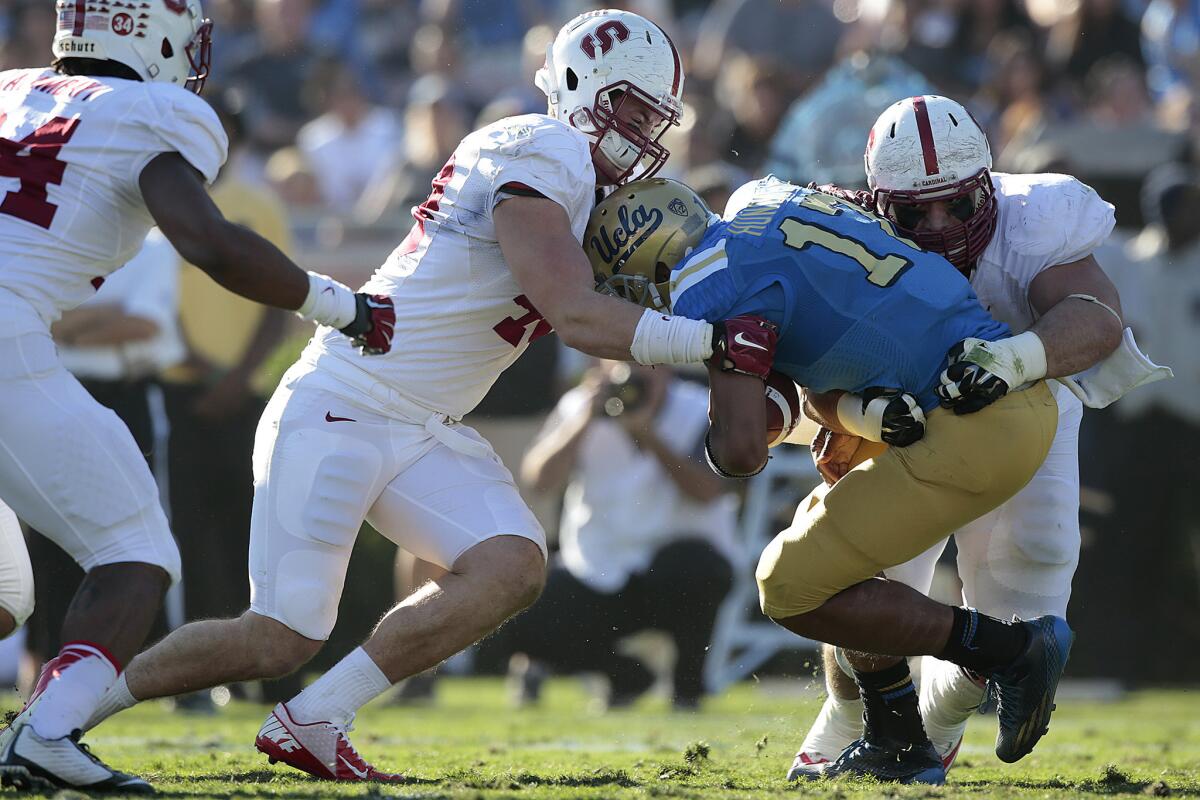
335, 696
839, 723
117, 698
948, 699
83, 674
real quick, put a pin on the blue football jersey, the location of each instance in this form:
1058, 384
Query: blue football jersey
857, 306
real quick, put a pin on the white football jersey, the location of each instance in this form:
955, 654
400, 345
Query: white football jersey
71, 152
461, 317
1044, 220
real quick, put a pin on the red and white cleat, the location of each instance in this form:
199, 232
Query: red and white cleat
808, 766
321, 749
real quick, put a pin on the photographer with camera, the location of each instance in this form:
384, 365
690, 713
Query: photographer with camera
645, 535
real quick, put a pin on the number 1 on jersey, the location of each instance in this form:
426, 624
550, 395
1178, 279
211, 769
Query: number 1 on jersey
882, 271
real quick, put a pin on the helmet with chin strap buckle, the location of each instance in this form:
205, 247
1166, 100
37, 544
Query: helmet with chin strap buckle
602, 63
927, 149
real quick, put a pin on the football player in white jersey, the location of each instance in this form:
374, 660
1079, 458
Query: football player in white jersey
94, 151
492, 262
1026, 243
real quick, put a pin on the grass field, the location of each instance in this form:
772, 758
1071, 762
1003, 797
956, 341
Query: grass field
471, 745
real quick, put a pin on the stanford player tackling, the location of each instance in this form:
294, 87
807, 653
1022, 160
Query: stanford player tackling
1026, 244
492, 262
95, 150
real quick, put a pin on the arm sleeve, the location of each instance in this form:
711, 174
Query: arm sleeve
180, 122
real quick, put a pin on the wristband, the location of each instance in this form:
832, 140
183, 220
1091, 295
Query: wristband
1019, 359
867, 424
663, 339
329, 302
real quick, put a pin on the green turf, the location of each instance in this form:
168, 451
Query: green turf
471, 745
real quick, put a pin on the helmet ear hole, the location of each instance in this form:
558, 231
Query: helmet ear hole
167, 50
572, 80
662, 272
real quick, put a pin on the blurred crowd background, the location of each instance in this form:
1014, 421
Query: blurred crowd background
343, 110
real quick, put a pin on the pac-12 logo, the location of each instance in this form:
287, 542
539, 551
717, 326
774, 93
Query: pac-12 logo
122, 24
604, 37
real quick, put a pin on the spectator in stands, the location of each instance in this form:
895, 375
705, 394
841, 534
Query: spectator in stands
274, 75
115, 343
1147, 455
645, 534
352, 141
434, 122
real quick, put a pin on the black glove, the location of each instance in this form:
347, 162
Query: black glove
966, 387
902, 420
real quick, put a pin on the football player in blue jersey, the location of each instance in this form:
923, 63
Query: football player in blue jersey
862, 320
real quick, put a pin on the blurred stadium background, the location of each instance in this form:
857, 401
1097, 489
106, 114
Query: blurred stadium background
345, 110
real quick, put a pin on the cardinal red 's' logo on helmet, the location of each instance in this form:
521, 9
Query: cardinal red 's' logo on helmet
604, 37
178, 6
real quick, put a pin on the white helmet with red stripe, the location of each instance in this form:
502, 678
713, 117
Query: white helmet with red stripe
160, 40
926, 149
604, 63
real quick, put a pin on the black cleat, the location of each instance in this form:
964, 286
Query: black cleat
892, 762
1025, 689
31, 762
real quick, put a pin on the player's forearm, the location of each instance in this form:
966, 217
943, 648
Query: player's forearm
822, 408
1077, 334
248, 265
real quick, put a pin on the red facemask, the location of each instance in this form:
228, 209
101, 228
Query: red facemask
960, 244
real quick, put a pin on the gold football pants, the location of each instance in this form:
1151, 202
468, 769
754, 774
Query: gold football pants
893, 507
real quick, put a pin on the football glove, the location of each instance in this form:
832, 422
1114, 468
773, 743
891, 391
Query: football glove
859, 197
745, 344
980, 372
883, 415
374, 323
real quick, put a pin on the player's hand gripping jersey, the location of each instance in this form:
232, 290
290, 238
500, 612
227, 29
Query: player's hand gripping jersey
857, 306
71, 152
461, 317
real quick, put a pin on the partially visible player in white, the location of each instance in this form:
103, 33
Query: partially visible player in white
493, 261
96, 149
1026, 244
16, 574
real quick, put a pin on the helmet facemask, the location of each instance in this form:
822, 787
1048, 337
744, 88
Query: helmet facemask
627, 151
199, 56
972, 202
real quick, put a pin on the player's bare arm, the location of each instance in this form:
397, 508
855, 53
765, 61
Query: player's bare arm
1080, 316
737, 444
545, 257
247, 264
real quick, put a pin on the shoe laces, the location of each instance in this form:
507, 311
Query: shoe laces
343, 731
84, 748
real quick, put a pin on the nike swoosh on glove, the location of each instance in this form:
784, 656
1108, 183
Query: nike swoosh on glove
745, 344
374, 323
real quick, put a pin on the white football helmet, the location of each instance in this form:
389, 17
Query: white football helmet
160, 40
929, 148
598, 62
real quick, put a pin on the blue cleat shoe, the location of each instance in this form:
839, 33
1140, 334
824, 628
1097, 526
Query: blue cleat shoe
1025, 689
893, 762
